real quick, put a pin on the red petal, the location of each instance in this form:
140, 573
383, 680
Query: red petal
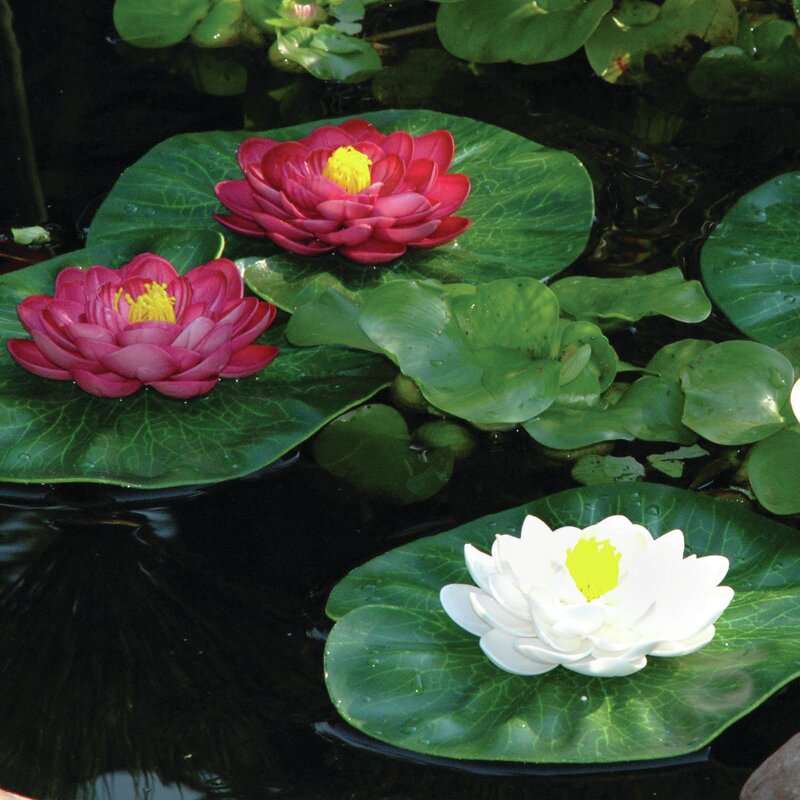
194, 333
389, 171
149, 267
449, 229
252, 150
70, 285
438, 146
240, 225
310, 248
273, 165
328, 136
274, 225
451, 191
159, 333
94, 349
236, 196
30, 311
209, 367
27, 355
422, 174
407, 234
183, 390
220, 335
359, 129
255, 326
317, 226
400, 205
401, 143
349, 237
249, 360
145, 362
374, 252
343, 209
66, 359
106, 384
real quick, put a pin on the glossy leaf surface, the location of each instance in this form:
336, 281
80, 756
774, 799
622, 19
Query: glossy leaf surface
52, 431
773, 469
751, 261
398, 669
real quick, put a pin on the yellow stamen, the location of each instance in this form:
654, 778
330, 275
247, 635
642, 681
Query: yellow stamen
594, 566
154, 305
349, 168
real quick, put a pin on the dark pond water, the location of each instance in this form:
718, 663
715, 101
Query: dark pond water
169, 645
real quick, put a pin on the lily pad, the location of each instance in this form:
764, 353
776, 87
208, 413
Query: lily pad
618, 48
615, 300
51, 431
751, 261
518, 30
531, 208
399, 670
153, 23
773, 468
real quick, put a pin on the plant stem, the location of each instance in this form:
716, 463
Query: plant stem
410, 31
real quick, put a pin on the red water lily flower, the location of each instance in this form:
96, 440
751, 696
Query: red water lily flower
113, 331
348, 188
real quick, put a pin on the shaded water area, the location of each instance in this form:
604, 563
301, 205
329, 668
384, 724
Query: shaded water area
163, 645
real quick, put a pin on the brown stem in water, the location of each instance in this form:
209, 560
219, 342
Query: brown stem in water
410, 31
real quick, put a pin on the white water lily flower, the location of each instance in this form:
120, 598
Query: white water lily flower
794, 399
597, 600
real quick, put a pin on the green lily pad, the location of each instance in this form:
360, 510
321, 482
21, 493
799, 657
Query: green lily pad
531, 208
610, 300
154, 23
671, 463
618, 48
593, 470
765, 69
649, 409
398, 669
751, 261
773, 469
518, 30
370, 448
51, 431
735, 392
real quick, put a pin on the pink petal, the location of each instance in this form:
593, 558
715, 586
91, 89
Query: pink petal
88, 331
259, 187
400, 205
239, 225
194, 333
70, 285
449, 229
209, 367
389, 171
66, 359
97, 277
149, 267
236, 196
145, 362
252, 150
221, 334
255, 326
328, 136
359, 129
27, 355
249, 360
183, 390
216, 284
274, 225
371, 151
322, 189
317, 160
289, 207
304, 196
310, 248
349, 237
317, 226
343, 209
268, 207
410, 234
106, 384
373, 252
438, 146
422, 174
30, 311
401, 143
451, 191
159, 333
273, 165
94, 349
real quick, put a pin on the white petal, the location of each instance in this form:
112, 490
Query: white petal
691, 619
543, 606
580, 620
455, 600
710, 570
538, 651
494, 615
535, 531
499, 649
607, 667
480, 566
669, 547
563, 644
632, 652
685, 646
508, 594
794, 399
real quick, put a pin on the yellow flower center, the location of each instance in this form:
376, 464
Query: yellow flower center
155, 305
349, 168
594, 566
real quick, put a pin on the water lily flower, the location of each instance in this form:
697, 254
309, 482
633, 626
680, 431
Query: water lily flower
348, 188
596, 601
113, 331
794, 399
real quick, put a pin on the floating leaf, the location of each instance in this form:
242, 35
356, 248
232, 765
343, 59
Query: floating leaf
735, 392
154, 23
649, 409
602, 300
751, 261
398, 669
670, 360
671, 463
773, 468
370, 448
618, 48
518, 30
52, 431
531, 208
592, 470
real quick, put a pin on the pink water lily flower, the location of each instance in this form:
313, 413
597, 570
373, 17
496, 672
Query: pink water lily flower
348, 188
113, 331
